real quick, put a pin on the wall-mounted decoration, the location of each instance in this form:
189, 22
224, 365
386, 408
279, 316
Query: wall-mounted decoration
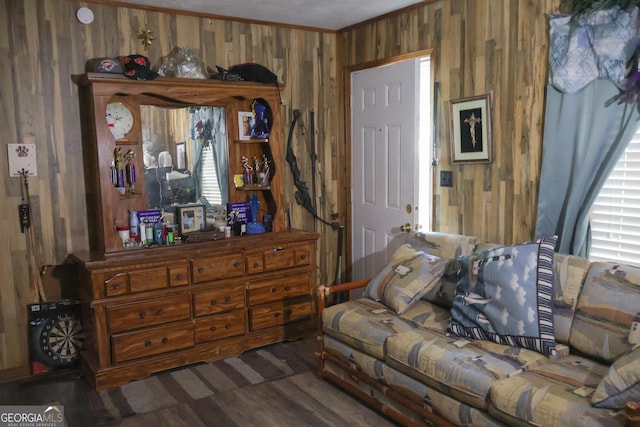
471, 130
22, 159
246, 121
146, 37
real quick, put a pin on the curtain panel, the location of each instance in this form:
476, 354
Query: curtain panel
585, 129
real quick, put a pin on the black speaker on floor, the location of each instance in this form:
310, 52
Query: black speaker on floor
55, 335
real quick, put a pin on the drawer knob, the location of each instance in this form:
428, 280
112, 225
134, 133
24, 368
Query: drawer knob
227, 298
143, 314
179, 276
227, 326
165, 340
288, 312
287, 288
213, 329
147, 343
116, 286
236, 264
303, 257
201, 270
256, 265
159, 312
274, 290
277, 314
213, 302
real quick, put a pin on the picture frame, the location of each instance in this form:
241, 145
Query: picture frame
471, 130
246, 122
190, 218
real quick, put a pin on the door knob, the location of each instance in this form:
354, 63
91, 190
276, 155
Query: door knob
405, 228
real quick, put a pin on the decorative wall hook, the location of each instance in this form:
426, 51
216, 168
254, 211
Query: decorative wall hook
146, 36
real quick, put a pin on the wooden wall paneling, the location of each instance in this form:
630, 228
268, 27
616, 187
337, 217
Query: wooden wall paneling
39, 103
497, 47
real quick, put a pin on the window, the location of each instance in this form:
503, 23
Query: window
615, 214
209, 182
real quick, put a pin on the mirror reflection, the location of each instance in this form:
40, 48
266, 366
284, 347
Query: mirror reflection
185, 155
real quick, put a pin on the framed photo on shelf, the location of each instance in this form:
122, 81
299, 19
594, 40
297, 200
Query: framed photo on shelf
471, 130
190, 218
246, 121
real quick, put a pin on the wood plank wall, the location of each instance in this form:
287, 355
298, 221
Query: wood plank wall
480, 46
46, 46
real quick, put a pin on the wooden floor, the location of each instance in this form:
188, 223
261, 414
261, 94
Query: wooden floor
300, 398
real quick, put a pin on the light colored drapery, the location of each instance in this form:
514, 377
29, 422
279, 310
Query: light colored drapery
585, 132
211, 132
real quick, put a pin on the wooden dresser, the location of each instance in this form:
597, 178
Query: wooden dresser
169, 306
157, 305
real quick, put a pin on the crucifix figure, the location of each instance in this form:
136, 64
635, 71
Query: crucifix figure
472, 121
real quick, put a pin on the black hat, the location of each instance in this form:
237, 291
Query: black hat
104, 65
137, 67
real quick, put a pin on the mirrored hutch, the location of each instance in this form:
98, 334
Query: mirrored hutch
179, 151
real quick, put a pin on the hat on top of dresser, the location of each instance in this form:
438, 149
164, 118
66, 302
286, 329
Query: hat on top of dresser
138, 67
104, 65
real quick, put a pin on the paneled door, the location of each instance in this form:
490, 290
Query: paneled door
384, 160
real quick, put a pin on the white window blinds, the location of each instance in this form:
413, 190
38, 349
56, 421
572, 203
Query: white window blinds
210, 186
615, 215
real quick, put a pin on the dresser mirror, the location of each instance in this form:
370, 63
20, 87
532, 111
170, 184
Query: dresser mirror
186, 155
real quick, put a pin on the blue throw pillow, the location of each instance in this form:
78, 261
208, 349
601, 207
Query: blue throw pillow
505, 295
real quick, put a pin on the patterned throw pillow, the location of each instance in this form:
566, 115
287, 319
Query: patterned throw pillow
621, 384
408, 276
505, 295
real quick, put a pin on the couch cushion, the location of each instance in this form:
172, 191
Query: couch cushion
449, 246
452, 410
504, 295
364, 324
621, 384
406, 278
607, 310
570, 271
553, 394
429, 315
463, 369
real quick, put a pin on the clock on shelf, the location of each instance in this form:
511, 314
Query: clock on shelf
120, 119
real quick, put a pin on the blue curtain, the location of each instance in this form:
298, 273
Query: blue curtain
584, 132
583, 139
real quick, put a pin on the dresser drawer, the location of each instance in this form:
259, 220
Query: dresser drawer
148, 313
217, 267
116, 285
220, 326
147, 280
279, 258
279, 313
288, 286
162, 339
179, 276
217, 300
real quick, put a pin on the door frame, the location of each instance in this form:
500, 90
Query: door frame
348, 240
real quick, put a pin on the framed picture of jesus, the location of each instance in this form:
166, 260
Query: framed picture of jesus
471, 130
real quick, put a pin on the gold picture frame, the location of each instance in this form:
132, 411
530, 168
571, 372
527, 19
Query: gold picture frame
190, 218
471, 130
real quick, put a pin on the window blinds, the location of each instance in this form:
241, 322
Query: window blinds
615, 214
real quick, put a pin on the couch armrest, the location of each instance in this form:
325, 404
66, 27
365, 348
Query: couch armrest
326, 292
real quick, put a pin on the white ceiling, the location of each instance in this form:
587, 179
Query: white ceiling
324, 14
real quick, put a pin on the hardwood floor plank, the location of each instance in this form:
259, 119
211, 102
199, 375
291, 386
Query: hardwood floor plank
326, 398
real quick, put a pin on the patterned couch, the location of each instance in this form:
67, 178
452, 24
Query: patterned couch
394, 346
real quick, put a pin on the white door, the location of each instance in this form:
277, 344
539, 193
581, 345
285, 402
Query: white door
385, 106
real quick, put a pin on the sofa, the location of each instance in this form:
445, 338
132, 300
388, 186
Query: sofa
409, 344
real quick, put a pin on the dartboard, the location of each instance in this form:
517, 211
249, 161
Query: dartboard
60, 339
55, 335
